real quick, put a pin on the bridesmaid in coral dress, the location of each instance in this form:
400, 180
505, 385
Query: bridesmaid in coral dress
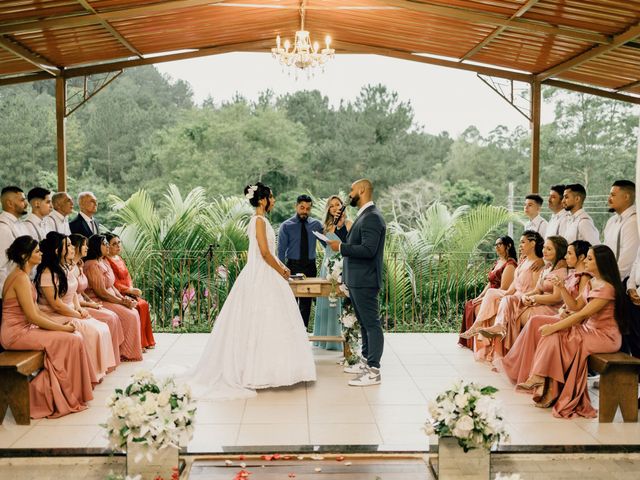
545, 299
500, 277
63, 386
101, 289
58, 300
559, 370
95, 309
517, 363
124, 285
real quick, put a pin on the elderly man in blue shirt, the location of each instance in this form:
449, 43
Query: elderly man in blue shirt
297, 246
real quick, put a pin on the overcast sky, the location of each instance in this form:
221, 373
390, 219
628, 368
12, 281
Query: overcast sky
442, 98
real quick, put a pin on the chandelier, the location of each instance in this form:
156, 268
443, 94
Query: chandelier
303, 55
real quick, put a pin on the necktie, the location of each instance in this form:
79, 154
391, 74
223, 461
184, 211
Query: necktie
304, 241
94, 228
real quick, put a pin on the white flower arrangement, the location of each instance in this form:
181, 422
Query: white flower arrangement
334, 269
468, 412
152, 416
251, 191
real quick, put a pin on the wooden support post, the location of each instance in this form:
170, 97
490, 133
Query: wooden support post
61, 106
536, 90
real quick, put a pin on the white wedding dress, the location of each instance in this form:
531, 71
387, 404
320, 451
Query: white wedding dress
259, 339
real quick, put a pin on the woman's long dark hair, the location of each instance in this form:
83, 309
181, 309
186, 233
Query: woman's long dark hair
510, 246
77, 240
581, 247
94, 252
533, 236
560, 245
53, 253
609, 272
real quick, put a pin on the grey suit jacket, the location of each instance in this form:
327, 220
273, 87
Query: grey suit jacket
363, 251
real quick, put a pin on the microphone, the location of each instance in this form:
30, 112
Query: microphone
337, 218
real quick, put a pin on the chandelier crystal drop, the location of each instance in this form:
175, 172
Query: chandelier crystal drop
304, 55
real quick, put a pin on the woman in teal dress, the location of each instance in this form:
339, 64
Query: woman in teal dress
327, 318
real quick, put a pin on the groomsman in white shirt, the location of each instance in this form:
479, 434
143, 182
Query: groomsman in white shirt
580, 225
14, 207
559, 216
36, 222
58, 220
621, 231
532, 206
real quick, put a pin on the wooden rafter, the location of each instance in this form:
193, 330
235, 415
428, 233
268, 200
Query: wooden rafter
87, 6
23, 52
617, 41
493, 35
592, 91
628, 86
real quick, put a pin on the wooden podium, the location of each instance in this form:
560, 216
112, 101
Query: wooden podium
313, 287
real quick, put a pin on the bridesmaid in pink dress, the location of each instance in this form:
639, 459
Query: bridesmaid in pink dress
500, 276
526, 277
101, 289
517, 363
559, 370
58, 300
63, 386
545, 299
95, 309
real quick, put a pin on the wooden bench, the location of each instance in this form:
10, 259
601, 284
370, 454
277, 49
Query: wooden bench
618, 385
15, 368
346, 351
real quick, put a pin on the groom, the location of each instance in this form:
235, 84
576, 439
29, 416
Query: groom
363, 254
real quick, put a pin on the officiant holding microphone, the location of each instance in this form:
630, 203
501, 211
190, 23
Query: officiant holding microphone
297, 246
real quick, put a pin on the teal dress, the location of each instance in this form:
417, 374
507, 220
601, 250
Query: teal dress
327, 319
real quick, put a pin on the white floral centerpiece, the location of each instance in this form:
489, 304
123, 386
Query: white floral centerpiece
350, 333
470, 413
150, 415
334, 275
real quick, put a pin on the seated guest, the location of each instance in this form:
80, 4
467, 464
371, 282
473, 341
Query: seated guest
124, 285
621, 230
63, 386
14, 207
559, 216
517, 363
95, 309
559, 369
36, 221
58, 219
327, 317
580, 225
632, 338
545, 299
526, 276
58, 300
85, 223
500, 277
532, 206
101, 289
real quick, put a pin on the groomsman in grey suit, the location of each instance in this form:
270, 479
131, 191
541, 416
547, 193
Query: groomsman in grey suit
363, 254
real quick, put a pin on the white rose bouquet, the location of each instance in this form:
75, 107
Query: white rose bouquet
334, 275
468, 412
150, 415
350, 332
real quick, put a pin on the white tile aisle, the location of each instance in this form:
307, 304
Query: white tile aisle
415, 368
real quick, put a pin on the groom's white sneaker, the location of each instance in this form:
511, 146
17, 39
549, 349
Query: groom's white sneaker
369, 376
357, 368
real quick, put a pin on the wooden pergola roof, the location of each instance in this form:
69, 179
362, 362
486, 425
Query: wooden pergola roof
588, 45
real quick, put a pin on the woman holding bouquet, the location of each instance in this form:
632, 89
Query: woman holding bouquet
327, 316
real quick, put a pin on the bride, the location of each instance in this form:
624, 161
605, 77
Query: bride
258, 340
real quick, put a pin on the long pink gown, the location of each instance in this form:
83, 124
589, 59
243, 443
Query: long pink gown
523, 281
563, 355
512, 309
63, 386
97, 339
517, 363
103, 315
100, 275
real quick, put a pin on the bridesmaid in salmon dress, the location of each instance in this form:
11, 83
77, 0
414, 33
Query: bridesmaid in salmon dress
545, 299
124, 284
500, 277
63, 386
95, 309
517, 363
101, 289
58, 300
526, 276
559, 370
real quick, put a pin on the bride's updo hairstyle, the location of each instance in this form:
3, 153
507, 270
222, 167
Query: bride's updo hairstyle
256, 192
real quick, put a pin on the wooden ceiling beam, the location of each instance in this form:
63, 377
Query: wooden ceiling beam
617, 41
628, 86
493, 35
31, 77
592, 91
10, 45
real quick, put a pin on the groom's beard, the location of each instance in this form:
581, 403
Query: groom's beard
354, 201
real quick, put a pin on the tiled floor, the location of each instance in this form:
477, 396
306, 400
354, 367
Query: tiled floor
416, 367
